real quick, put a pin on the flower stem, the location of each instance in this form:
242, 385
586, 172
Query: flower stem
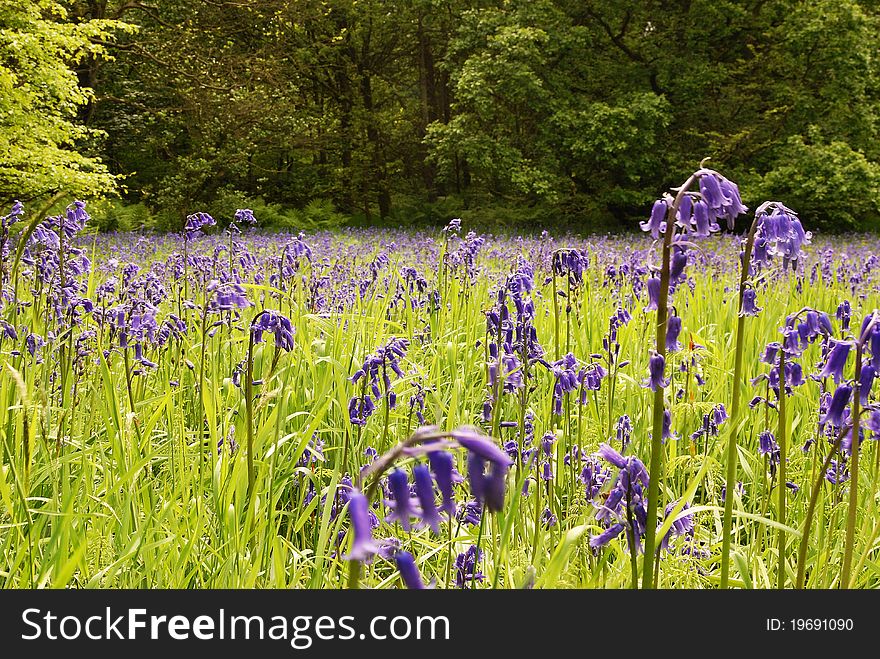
657, 431
732, 423
782, 433
854, 465
811, 510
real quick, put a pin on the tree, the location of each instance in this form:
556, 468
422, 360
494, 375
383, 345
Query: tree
41, 143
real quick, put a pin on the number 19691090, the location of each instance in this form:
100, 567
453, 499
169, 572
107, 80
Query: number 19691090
821, 624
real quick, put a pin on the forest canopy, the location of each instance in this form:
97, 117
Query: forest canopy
508, 112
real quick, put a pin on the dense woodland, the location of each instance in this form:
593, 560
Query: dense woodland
502, 112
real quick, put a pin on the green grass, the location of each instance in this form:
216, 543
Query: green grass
102, 487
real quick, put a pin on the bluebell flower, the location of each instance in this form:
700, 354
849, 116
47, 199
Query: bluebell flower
780, 233
424, 486
836, 360
442, 464
607, 535
838, 404
653, 293
767, 446
409, 573
866, 381
749, 308
837, 472
844, 313
402, 510
673, 330
656, 367
657, 224
470, 512
467, 567
362, 547
623, 429
278, 324
196, 222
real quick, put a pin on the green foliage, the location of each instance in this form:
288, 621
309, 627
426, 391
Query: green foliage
40, 139
514, 103
835, 186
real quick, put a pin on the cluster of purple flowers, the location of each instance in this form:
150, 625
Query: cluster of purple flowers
625, 507
280, 326
375, 372
779, 234
697, 214
196, 223
419, 500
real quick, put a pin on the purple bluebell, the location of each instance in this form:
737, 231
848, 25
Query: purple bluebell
673, 330
844, 313
866, 382
836, 408
656, 367
767, 446
245, 216
424, 486
480, 445
467, 567
360, 409
836, 360
623, 429
453, 227
770, 352
677, 265
398, 484
470, 513
781, 234
794, 374
837, 472
749, 308
683, 525
703, 225
872, 423
657, 223
495, 484
667, 426
278, 324
593, 476
653, 293
409, 572
363, 547
607, 535
195, 224
476, 466
443, 466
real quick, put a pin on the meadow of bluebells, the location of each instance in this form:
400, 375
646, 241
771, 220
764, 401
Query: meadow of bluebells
371, 408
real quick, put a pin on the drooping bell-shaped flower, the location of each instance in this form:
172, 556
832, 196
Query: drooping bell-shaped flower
836, 360
398, 484
496, 482
673, 330
442, 464
424, 486
606, 536
767, 446
837, 407
656, 367
749, 308
657, 224
409, 572
866, 381
653, 293
363, 546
